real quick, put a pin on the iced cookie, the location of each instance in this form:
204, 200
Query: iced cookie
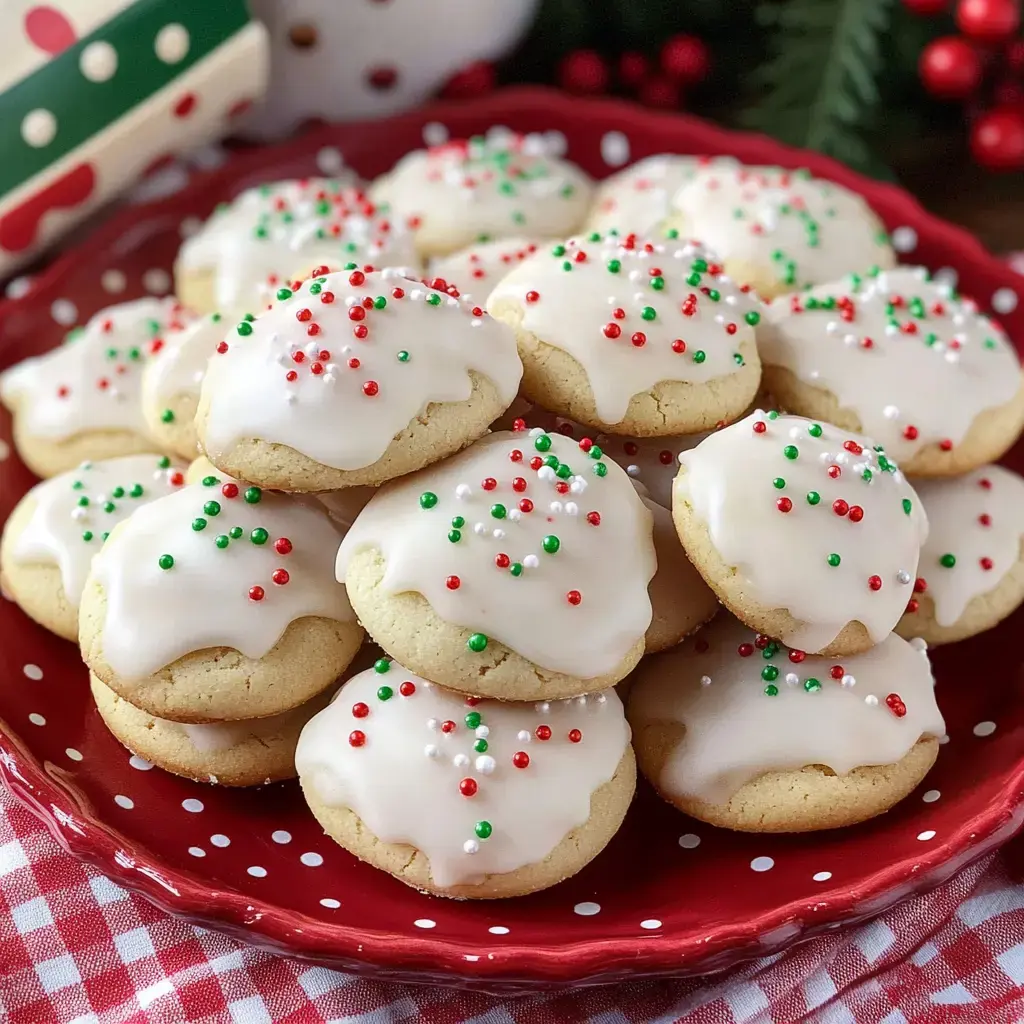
780, 230
355, 379
476, 269
251, 248
972, 565
218, 603
172, 380
476, 190
243, 753
632, 337
639, 198
81, 400
903, 359
465, 797
738, 731
53, 532
805, 532
518, 569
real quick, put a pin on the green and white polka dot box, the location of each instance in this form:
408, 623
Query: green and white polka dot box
93, 93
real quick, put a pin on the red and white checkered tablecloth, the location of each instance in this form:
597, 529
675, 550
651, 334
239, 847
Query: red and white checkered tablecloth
77, 949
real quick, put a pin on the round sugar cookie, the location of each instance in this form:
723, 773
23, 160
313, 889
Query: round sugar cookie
518, 569
903, 359
54, 531
216, 603
243, 753
780, 230
464, 797
971, 572
355, 379
172, 380
476, 269
81, 400
740, 732
806, 532
632, 337
475, 190
252, 247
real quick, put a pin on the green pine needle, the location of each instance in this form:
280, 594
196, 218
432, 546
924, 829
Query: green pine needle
819, 89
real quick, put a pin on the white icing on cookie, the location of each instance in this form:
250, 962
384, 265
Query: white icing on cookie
220, 565
92, 381
476, 269
479, 189
258, 243
915, 363
639, 197
797, 229
975, 526
552, 562
179, 364
634, 313
481, 787
76, 510
814, 520
339, 369
746, 714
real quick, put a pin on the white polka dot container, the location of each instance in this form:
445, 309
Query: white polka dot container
518, 569
632, 337
737, 730
354, 379
781, 230
466, 191
82, 400
476, 269
805, 532
172, 380
463, 797
903, 359
971, 573
54, 531
231, 589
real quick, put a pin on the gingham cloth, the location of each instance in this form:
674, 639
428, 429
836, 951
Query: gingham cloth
77, 949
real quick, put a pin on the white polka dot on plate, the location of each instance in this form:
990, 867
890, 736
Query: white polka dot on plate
38, 128
904, 239
64, 311
74, 755
330, 904
124, 801
33, 671
329, 160
424, 922
434, 133
1004, 300
113, 281
926, 835
256, 871
931, 796
587, 909
821, 876
36, 719
984, 728
139, 763
614, 149
220, 840
18, 286
498, 929
311, 860
689, 841
156, 281
192, 805
280, 836
762, 864
172, 42
197, 851
650, 924
98, 61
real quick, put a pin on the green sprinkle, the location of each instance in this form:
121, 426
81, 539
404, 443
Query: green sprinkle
382, 665
136, 491
770, 673
738, 359
235, 532
403, 356
284, 293
614, 266
773, 415
109, 507
551, 461
867, 476
814, 430
259, 536
473, 719
77, 485
813, 497
199, 524
834, 559
672, 233
167, 416
483, 829
428, 499
434, 299
117, 492
693, 280
87, 536
477, 642
564, 471
212, 508
244, 328
752, 318
699, 356
380, 302
947, 561
600, 469
454, 536
252, 495
559, 251
209, 481
551, 544
699, 264
714, 294
567, 265
658, 283
812, 685
791, 451
779, 483
104, 535
458, 522
596, 451
385, 693
221, 541
771, 690
516, 568
542, 443
907, 506
480, 746
83, 502
498, 511
165, 562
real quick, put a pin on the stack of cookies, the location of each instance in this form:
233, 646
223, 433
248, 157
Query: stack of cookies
508, 425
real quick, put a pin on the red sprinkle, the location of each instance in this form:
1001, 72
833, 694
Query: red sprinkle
532, 296
639, 339
912, 606
489, 483
448, 726
840, 507
894, 702
986, 563
985, 519
910, 432
946, 445
594, 518
760, 426
574, 597
398, 293
327, 297
256, 593
796, 656
361, 332
536, 462
543, 732
525, 505
745, 650
985, 484
836, 672
920, 585
679, 346
586, 444
453, 583
408, 688
356, 313
356, 278
852, 446
356, 738
280, 577
222, 347
612, 330
834, 472
575, 735
283, 546
502, 561
856, 513
371, 388
519, 484
354, 364
468, 787
875, 582
521, 759
360, 710
784, 505
303, 315
229, 490
515, 455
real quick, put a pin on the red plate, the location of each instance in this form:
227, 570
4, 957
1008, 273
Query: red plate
669, 895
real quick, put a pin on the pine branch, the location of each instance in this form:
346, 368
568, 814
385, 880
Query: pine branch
819, 88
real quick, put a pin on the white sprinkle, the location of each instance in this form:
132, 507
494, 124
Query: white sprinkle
705, 680
431, 750
796, 433
498, 534
903, 576
578, 486
848, 681
460, 760
290, 398
601, 699
571, 508
523, 736
633, 470
555, 507
832, 326
871, 700
823, 458
471, 846
650, 924
139, 763
433, 724
543, 708
531, 562
498, 929
792, 679
79, 513
891, 330
482, 732
546, 473
463, 491
536, 431
890, 412
479, 529
514, 515
328, 378
330, 904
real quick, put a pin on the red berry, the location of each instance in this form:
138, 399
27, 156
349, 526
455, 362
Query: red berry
583, 72
280, 577
521, 759
988, 20
468, 787
997, 139
356, 738
407, 689
632, 69
950, 68
575, 735
543, 732
685, 59
659, 91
